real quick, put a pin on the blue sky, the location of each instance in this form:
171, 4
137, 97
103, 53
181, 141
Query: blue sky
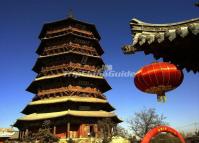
20, 25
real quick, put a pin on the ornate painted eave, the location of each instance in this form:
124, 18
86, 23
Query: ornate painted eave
43, 116
8, 133
68, 35
72, 75
72, 114
65, 21
175, 42
42, 59
65, 100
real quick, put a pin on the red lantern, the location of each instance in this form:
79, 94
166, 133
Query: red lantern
158, 78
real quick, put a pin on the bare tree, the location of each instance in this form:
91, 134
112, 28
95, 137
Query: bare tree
197, 132
145, 120
106, 126
122, 132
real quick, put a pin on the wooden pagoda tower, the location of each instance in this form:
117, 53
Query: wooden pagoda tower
69, 86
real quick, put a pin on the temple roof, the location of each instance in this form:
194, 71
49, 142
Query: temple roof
57, 54
75, 75
70, 35
8, 133
72, 74
41, 59
68, 98
57, 100
175, 42
65, 21
43, 116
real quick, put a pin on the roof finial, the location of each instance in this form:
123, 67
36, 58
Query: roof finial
70, 14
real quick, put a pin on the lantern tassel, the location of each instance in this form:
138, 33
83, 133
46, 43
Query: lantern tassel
161, 97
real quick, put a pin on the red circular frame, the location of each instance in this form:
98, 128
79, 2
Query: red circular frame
153, 132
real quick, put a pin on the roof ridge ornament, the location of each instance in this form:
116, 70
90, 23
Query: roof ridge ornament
136, 21
70, 13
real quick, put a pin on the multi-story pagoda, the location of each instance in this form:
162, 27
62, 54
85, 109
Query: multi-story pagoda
68, 92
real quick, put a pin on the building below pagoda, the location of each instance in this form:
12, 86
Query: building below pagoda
8, 134
69, 87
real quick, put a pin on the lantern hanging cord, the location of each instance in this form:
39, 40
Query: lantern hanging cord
161, 97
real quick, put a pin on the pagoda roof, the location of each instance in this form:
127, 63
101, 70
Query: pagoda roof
43, 116
66, 21
57, 54
69, 35
41, 59
8, 133
68, 74
175, 42
67, 98
75, 75
64, 99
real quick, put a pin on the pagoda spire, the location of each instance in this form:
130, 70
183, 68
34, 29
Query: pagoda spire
70, 13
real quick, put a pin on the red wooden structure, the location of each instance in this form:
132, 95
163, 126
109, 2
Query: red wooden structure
155, 131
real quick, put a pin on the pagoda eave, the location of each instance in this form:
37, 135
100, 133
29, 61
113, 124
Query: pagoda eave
67, 101
65, 21
68, 113
102, 83
59, 121
70, 35
40, 61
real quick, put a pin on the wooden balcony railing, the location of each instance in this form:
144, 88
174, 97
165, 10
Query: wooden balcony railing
62, 31
70, 47
70, 67
71, 91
